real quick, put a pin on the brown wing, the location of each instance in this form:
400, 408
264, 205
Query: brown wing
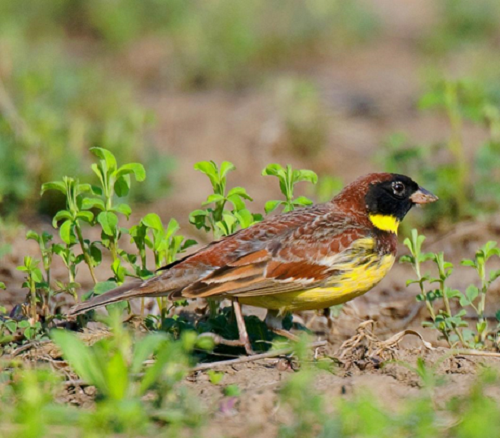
299, 259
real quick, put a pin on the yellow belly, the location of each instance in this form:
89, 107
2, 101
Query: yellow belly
355, 281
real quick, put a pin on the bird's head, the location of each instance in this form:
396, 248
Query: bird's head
385, 198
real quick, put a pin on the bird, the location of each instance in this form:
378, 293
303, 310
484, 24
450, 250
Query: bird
310, 258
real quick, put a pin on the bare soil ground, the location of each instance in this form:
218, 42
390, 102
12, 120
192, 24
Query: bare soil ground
369, 93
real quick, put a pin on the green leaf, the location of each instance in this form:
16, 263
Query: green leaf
426, 256
245, 218
152, 220
272, 205
89, 203
489, 248
274, 170
136, 169
54, 185
305, 175
172, 228
118, 270
60, 215
117, 377
196, 213
188, 243
467, 262
214, 198
472, 293
66, 232
452, 293
105, 155
109, 222
2, 285
95, 254
199, 218
209, 168
237, 202
86, 216
240, 191
494, 275
99, 172
122, 186
123, 209
32, 235
84, 188
81, 358
226, 167
104, 286
302, 200
410, 282
11, 326
36, 274
407, 259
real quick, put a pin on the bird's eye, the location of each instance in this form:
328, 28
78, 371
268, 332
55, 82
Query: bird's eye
398, 187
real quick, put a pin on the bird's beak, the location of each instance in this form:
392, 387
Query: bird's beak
422, 196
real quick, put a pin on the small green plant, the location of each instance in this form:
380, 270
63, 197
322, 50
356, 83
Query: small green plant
217, 219
287, 179
113, 365
452, 326
91, 206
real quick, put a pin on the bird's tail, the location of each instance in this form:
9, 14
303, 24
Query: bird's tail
127, 291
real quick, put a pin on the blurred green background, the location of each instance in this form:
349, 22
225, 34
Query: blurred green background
339, 87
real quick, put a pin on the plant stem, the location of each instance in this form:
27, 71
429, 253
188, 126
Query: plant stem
422, 289
33, 298
86, 256
448, 311
484, 289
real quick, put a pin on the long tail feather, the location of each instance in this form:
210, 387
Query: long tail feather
125, 292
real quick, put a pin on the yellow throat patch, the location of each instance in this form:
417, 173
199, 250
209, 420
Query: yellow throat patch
385, 222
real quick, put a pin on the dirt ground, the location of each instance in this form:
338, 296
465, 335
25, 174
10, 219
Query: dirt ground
369, 93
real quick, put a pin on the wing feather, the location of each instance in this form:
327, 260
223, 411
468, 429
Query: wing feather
301, 260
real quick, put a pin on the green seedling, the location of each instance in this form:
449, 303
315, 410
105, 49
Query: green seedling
33, 277
115, 366
452, 326
70, 220
217, 219
482, 256
287, 179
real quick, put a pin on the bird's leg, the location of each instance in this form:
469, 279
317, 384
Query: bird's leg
327, 313
275, 323
242, 329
